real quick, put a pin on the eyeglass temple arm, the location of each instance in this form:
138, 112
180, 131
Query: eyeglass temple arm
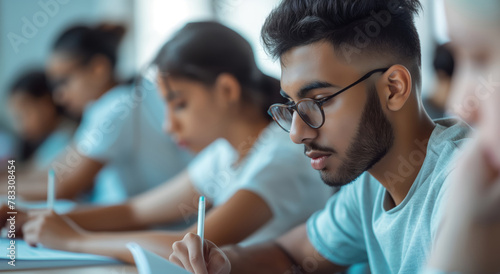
366, 76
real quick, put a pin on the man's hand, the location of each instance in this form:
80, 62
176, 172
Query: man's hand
188, 254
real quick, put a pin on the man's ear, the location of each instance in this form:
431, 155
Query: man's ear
228, 88
397, 87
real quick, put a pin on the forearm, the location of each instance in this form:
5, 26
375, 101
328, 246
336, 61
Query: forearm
29, 186
111, 218
263, 258
114, 244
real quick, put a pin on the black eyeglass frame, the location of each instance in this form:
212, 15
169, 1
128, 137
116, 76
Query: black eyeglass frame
321, 102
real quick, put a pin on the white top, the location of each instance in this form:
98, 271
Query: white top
123, 129
275, 169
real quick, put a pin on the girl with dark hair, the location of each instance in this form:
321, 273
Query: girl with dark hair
119, 149
39, 121
256, 180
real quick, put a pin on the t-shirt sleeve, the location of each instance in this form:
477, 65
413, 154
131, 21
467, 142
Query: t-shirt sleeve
204, 169
106, 131
336, 231
286, 182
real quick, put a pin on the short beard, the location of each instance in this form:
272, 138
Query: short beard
374, 138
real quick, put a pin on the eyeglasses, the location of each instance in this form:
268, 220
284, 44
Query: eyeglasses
309, 110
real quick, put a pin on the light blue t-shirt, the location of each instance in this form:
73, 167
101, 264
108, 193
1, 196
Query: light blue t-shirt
355, 228
54, 145
123, 130
276, 169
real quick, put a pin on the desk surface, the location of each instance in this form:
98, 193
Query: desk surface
109, 269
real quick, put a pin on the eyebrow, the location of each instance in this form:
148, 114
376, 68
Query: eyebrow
307, 88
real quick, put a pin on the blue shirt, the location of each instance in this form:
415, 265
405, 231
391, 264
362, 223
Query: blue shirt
354, 227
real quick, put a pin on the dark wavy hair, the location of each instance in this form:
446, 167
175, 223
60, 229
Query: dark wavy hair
201, 51
385, 28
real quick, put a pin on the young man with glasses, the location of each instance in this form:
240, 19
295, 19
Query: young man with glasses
351, 72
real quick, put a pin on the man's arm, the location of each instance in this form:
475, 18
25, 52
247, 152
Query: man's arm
292, 253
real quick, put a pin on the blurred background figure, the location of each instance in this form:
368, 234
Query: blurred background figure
470, 241
39, 121
119, 149
120, 146
435, 102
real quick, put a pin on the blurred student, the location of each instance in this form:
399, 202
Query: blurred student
471, 231
38, 119
359, 115
435, 103
119, 149
257, 181
39, 122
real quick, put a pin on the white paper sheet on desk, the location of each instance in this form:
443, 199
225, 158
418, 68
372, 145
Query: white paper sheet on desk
60, 206
148, 262
39, 257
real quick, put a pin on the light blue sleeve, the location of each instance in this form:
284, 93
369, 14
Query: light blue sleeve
106, 130
336, 232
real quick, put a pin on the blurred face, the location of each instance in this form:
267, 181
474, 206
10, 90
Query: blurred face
356, 134
75, 84
33, 117
195, 113
476, 88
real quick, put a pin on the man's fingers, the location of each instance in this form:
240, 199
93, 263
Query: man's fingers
173, 258
195, 251
182, 255
216, 262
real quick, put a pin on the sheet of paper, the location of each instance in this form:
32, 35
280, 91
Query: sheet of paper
60, 206
40, 257
148, 262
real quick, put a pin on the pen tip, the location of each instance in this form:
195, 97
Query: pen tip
202, 198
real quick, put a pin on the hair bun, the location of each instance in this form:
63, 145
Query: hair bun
112, 31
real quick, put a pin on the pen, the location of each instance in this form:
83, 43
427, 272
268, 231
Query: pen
201, 218
51, 189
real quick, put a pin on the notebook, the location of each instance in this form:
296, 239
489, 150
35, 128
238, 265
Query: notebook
27, 257
148, 262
